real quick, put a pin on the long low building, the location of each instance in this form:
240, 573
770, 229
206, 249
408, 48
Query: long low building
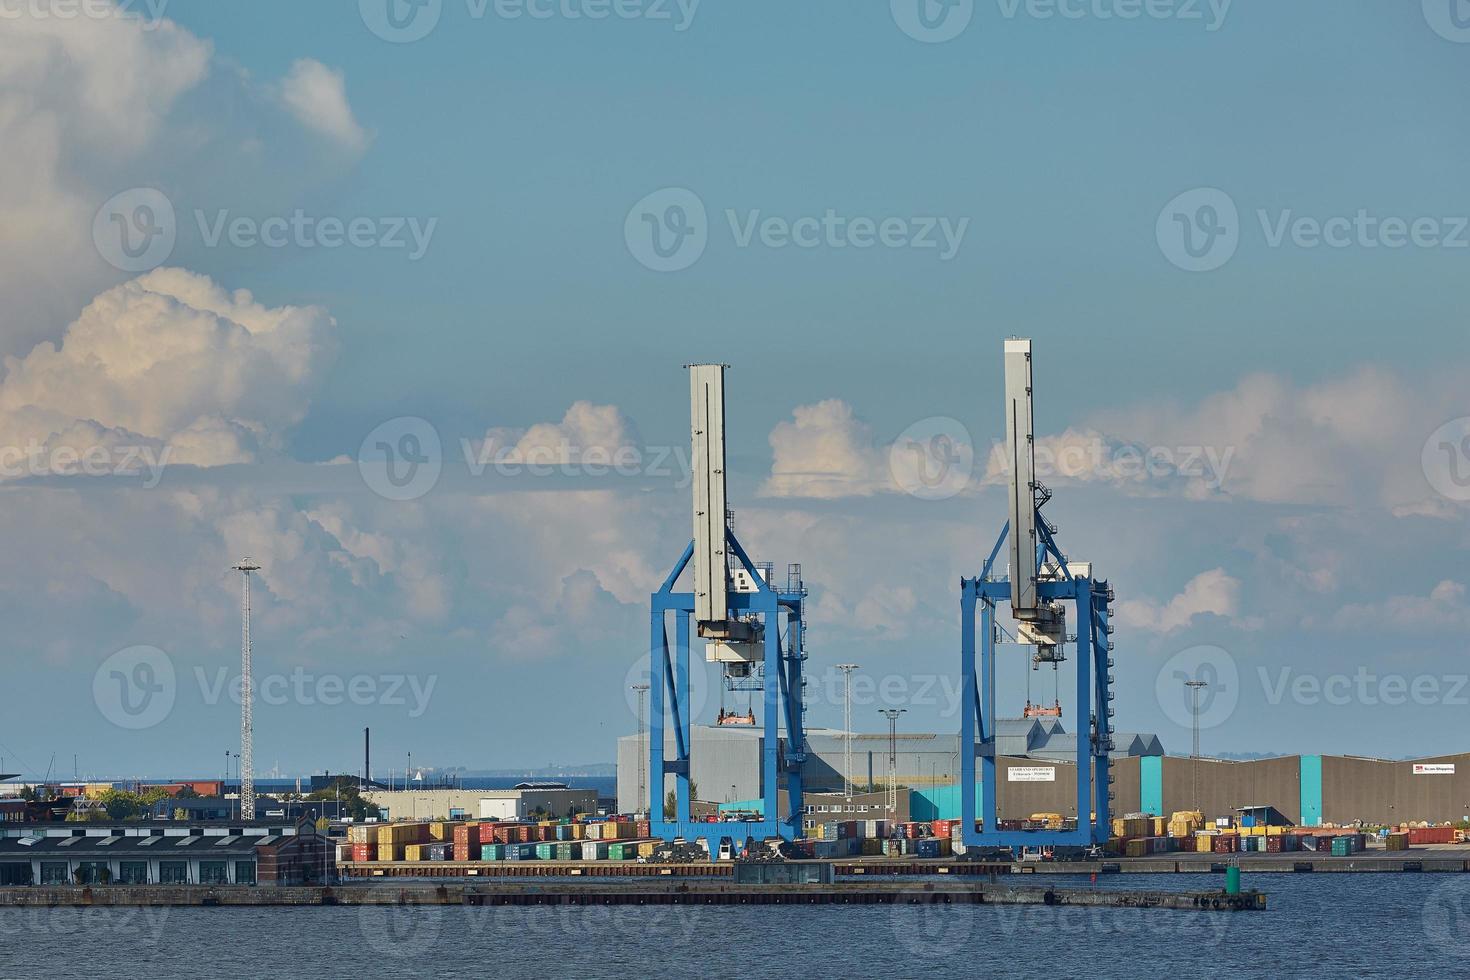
528, 800
140, 854
1036, 774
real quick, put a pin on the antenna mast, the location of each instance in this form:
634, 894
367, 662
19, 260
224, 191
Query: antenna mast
247, 694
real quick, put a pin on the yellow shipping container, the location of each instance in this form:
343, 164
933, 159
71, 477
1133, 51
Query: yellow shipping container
391, 852
1204, 843
402, 833
413, 852
1136, 827
1137, 848
646, 848
442, 830
362, 833
1157, 826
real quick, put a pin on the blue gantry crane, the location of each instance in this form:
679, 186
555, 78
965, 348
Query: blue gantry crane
753, 628
1041, 584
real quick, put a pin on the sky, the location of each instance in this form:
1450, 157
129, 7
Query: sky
394, 297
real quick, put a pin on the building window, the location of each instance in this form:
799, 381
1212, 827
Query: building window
92, 873
811, 808
55, 873
173, 872
132, 872
213, 873
244, 872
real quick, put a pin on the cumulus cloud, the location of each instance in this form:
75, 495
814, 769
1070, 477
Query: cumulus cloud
171, 361
587, 434
1208, 593
91, 106
825, 451
1443, 608
317, 97
74, 89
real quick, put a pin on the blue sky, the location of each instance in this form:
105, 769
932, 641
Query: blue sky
1059, 150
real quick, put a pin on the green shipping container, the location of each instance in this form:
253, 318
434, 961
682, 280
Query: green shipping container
546, 852
566, 852
492, 852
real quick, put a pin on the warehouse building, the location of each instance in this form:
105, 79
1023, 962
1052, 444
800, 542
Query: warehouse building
726, 760
1036, 774
523, 801
140, 854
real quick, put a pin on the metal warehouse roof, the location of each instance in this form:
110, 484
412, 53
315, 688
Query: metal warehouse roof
163, 848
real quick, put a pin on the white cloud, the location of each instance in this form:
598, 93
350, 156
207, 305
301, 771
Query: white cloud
587, 433
80, 100
1443, 609
169, 359
825, 452
1208, 593
317, 97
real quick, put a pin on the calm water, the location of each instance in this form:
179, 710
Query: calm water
1367, 925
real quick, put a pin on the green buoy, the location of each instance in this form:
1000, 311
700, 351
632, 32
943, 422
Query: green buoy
1232, 880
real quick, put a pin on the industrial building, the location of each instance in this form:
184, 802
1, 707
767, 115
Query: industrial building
1307, 790
139, 854
523, 801
725, 759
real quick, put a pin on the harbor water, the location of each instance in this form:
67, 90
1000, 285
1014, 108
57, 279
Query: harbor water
1329, 925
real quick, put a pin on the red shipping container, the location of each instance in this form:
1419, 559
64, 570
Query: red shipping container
1431, 835
1226, 843
461, 851
463, 831
643, 829
364, 852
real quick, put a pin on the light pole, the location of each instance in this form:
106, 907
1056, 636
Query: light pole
847, 670
642, 690
892, 715
1194, 689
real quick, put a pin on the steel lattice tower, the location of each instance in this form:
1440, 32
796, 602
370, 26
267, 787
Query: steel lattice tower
247, 694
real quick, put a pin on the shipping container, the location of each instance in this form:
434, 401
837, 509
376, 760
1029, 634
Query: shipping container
1226, 843
1396, 842
1431, 835
365, 851
492, 852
